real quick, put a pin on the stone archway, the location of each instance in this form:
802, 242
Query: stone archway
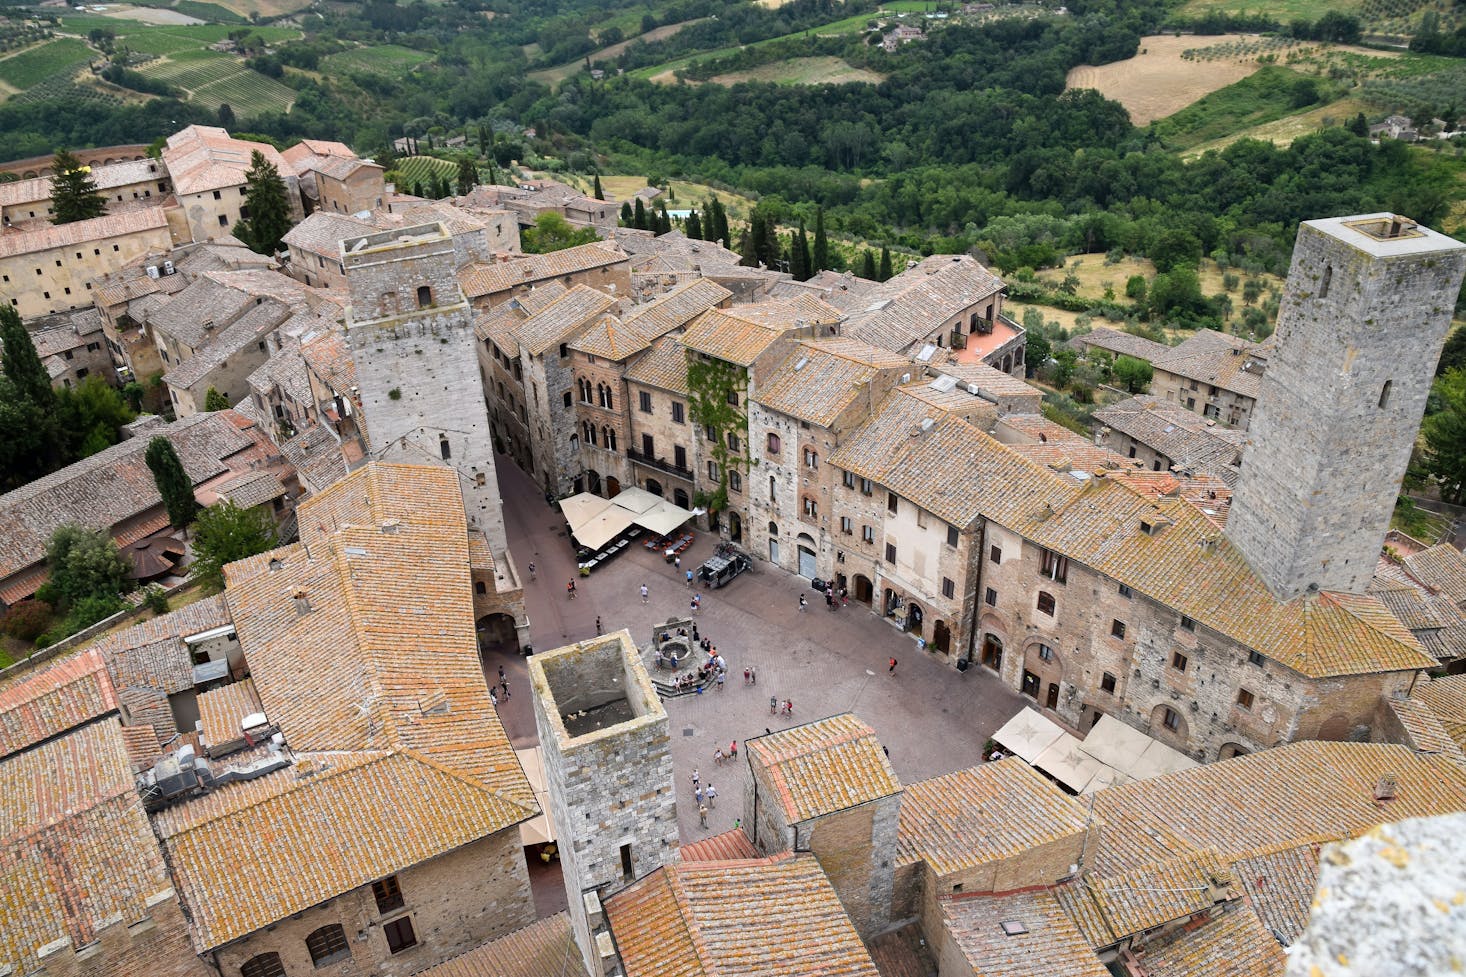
496, 634
593, 481
735, 527
654, 487
680, 498
865, 590
992, 651
1169, 726
613, 486
941, 637
1334, 729
914, 617
1230, 750
1043, 672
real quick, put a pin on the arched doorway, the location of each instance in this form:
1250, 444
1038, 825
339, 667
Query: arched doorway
735, 527
496, 634
914, 617
613, 486
864, 590
1335, 729
654, 487
1042, 672
806, 555
992, 651
942, 637
1168, 726
679, 498
593, 480
1230, 750
1008, 363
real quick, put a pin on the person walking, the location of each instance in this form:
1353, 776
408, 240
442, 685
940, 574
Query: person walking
733, 751
643, 594
720, 679
598, 624
773, 705
802, 603
696, 779
504, 684
493, 699
747, 673
712, 795
570, 589
717, 759
689, 578
501, 673
677, 562
752, 674
789, 708
699, 794
702, 815
531, 571
696, 638
892, 669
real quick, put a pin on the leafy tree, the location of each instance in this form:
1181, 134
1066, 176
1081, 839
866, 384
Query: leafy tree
1065, 361
83, 563
74, 195
21, 362
89, 417
1037, 352
596, 190
1445, 436
821, 253
551, 232
1135, 288
226, 116
225, 533
27, 447
886, 272
627, 218
467, 176
799, 256
266, 197
26, 619
214, 400
172, 480
1133, 374
1453, 356
1359, 125
417, 188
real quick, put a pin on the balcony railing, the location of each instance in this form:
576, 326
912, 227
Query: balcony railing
660, 464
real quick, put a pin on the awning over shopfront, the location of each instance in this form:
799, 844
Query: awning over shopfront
1113, 753
595, 521
537, 830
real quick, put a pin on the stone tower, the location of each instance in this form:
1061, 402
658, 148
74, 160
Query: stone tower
1363, 317
608, 769
411, 334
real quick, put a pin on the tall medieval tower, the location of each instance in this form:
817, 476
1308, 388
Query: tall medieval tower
411, 334
1363, 317
608, 769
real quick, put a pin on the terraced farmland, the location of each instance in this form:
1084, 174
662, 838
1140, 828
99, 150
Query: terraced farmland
212, 79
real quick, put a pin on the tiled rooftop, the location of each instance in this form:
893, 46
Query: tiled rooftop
822, 767
1046, 943
766, 918
1188, 439
1236, 944
491, 277
40, 703
820, 378
18, 242
663, 366
911, 306
202, 158
563, 320
543, 949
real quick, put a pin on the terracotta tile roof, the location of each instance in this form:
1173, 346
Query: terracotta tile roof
1122, 343
83, 330
501, 326
143, 750
111, 486
989, 379
911, 306
1280, 888
315, 454
543, 949
153, 653
765, 918
328, 356
358, 670
322, 233
676, 308
251, 489
18, 242
283, 373
563, 320
983, 814
243, 333
327, 825
1436, 621
221, 709
842, 289
1446, 697
1235, 944
1079, 902
1050, 945
1143, 898
76, 849
728, 846
490, 277
663, 366
1038, 428
611, 338
822, 767
1268, 802
1188, 439
1217, 358
1441, 568
105, 175
821, 378
199, 312
42, 702
741, 333
202, 158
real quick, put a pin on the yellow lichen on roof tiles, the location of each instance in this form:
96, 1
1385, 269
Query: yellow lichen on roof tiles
1050, 945
824, 766
983, 814
1236, 944
1280, 888
221, 709
764, 918
546, 948
723, 335
562, 320
42, 702
663, 366
1165, 890
1441, 568
611, 338
814, 385
1446, 698
677, 307
329, 824
1078, 901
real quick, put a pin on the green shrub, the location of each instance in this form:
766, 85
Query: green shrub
26, 620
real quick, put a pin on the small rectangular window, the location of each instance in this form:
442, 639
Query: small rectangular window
1253, 658
849, 480
733, 443
991, 597
995, 553
1046, 603
1117, 629
567, 398
1045, 653
774, 444
678, 412
1244, 699
1187, 624
868, 534
733, 397
847, 525
1125, 591
866, 486
893, 503
399, 934
1107, 683
1171, 720
811, 459
949, 588
713, 470
954, 536
388, 894
1055, 567
644, 401
735, 481
1178, 661
626, 863
890, 552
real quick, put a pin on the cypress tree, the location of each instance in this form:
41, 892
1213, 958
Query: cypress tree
440, 185
753, 237
768, 249
269, 207
694, 226
721, 232
821, 256
885, 272
599, 195
868, 266
805, 258
21, 363
664, 222
799, 255
467, 176
417, 188
639, 218
74, 195
627, 220
173, 482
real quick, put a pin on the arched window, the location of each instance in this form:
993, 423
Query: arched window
424, 296
328, 944
609, 437
610, 403
590, 434
773, 529
263, 965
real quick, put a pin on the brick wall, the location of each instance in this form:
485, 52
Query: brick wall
854, 847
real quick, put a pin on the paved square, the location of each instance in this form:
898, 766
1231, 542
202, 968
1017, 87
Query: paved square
932, 718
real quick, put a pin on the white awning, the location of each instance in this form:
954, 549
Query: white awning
579, 509
595, 521
1028, 734
1112, 753
1133, 754
663, 517
603, 527
636, 500
1067, 763
538, 830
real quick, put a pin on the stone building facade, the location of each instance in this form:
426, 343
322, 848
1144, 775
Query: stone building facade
608, 763
51, 269
1364, 314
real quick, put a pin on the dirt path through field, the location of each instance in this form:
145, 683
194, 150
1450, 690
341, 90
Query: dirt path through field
1158, 81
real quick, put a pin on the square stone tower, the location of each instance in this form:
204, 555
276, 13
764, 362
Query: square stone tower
411, 334
1363, 318
608, 769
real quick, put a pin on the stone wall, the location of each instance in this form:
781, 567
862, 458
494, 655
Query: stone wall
855, 849
601, 457
455, 902
59, 279
158, 945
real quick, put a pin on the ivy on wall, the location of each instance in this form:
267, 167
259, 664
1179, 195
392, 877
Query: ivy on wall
717, 398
